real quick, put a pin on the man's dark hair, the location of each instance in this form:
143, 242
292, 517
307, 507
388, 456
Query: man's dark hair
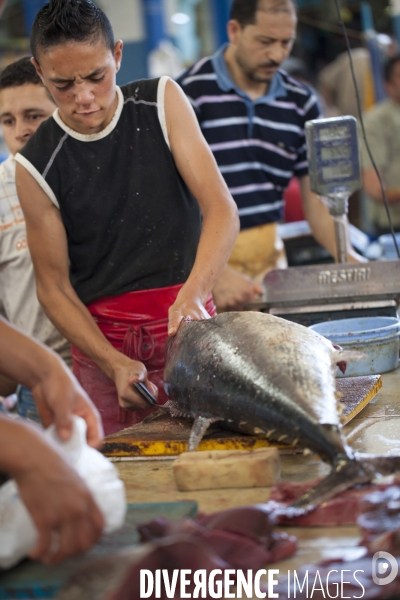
62, 21
244, 11
389, 67
19, 73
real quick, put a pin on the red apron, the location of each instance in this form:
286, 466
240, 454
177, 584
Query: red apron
136, 324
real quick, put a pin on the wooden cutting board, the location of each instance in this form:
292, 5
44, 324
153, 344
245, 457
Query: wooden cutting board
161, 435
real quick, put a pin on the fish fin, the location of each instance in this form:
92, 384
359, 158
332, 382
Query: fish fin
200, 426
175, 411
380, 464
346, 473
341, 357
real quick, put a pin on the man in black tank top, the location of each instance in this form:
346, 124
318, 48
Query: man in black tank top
129, 221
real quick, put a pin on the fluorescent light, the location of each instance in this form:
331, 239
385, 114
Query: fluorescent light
180, 18
384, 39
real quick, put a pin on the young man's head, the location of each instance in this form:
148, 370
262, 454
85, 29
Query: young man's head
392, 78
24, 103
74, 52
262, 33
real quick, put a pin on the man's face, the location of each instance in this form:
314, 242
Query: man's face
22, 109
393, 86
262, 47
81, 79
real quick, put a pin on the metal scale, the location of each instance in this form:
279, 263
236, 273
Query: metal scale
317, 293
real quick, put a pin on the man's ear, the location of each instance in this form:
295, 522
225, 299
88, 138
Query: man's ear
234, 30
118, 53
37, 67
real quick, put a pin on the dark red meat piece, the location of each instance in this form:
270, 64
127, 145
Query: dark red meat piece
343, 509
170, 553
380, 521
243, 537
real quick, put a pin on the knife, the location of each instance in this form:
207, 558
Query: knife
145, 393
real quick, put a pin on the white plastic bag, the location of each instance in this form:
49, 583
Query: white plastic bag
18, 534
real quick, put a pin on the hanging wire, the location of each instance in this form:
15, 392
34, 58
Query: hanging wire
385, 200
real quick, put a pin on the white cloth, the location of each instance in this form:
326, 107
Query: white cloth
17, 281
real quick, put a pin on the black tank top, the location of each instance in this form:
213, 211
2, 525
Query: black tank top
130, 219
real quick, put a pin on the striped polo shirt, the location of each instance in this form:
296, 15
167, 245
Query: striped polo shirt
258, 144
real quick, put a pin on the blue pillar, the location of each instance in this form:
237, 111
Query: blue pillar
31, 8
134, 62
372, 44
395, 10
154, 22
221, 10
396, 27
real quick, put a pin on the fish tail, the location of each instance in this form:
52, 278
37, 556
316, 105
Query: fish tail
346, 473
380, 464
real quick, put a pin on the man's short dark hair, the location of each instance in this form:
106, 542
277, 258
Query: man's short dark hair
62, 21
19, 73
389, 67
244, 11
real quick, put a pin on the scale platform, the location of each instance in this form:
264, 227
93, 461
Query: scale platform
161, 435
316, 293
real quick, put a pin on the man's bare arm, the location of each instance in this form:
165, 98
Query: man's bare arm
7, 386
199, 169
56, 391
57, 499
234, 290
48, 248
373, 188
321, 222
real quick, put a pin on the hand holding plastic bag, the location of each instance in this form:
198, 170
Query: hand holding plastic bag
18, 534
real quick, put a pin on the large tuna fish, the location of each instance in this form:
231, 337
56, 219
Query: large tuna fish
259, 372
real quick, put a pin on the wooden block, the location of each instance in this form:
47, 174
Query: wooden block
227, 469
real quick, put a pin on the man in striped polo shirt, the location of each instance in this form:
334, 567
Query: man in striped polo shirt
252, 114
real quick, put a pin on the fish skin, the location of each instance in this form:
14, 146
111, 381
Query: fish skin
216, 369
270, 373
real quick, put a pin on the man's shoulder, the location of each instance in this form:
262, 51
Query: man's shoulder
295, 88
7, 169
300, 96
8, 189
44, 140
380, 112
202, 70
44, 133
141, 89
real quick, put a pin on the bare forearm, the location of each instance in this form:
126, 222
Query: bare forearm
392, 195
71, 317
19, 441
7, 385
322, 223
219, 232
372, 187
23, 359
